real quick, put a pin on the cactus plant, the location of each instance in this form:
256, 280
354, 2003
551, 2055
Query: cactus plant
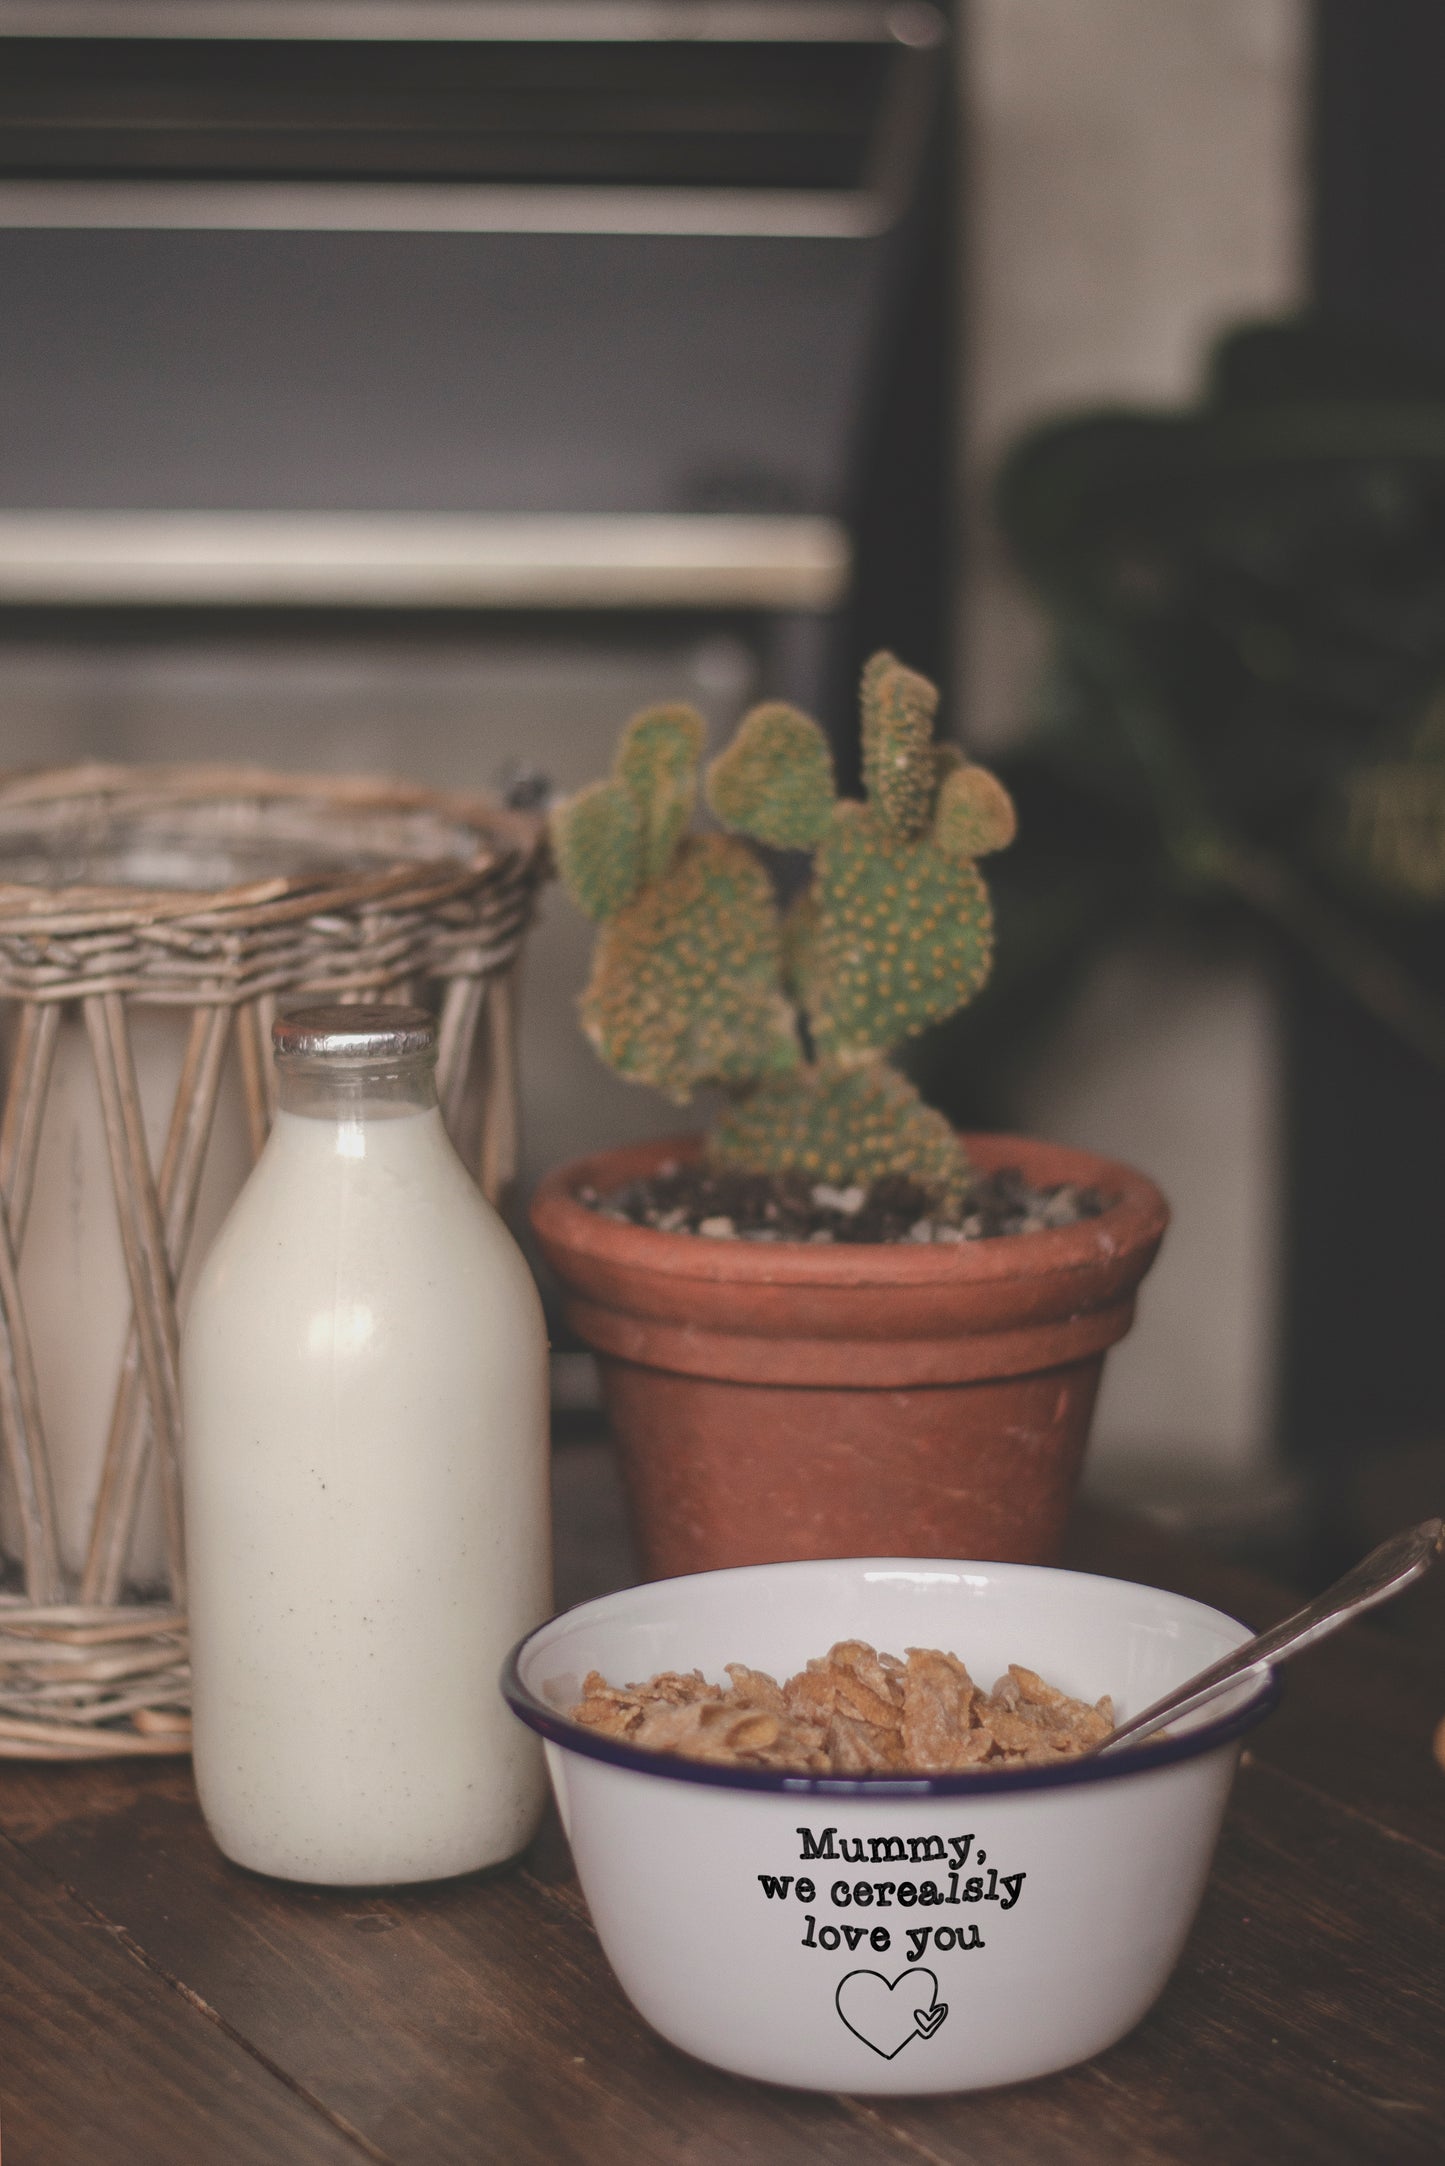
700, 978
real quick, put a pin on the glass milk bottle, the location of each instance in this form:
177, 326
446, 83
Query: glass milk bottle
363, 1376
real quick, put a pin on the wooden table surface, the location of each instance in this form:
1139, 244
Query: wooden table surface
158, 2005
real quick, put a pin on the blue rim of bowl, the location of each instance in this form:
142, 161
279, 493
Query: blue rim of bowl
1129, 1760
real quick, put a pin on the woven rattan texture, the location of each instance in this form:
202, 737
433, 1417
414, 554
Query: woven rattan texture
221, 892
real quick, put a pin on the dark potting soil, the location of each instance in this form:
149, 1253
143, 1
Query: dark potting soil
720, 1205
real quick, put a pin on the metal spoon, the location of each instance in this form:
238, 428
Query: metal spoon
1385, 1572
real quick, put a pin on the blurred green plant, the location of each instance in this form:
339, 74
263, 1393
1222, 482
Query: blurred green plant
1245, 697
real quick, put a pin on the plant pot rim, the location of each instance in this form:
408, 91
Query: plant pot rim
1135, 1219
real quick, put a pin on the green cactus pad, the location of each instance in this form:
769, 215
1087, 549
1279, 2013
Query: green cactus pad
975, 814
685, 985
697, 978
597, 844
799, 936
840, 1125
903, 935
775, 780
900, 771
657, 761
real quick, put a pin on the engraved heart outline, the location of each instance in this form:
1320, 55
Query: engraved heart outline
926, 2019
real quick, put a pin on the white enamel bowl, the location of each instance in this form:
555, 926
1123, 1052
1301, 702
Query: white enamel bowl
875, 1934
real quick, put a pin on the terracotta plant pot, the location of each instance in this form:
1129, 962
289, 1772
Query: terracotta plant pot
780, 1400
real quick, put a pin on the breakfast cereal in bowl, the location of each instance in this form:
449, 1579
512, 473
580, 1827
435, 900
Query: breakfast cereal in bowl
852, 1711
819, 1849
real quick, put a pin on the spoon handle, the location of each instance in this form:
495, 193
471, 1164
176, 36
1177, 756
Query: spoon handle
1385, 1572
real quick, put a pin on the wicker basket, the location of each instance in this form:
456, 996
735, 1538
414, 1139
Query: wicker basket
220, 892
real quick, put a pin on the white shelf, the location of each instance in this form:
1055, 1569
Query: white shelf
701, 561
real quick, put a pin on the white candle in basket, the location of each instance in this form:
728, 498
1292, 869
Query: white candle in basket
73, 1279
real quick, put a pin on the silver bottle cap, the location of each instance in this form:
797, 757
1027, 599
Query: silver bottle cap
334, 1031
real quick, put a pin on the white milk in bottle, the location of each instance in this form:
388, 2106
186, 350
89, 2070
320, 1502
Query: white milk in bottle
366, 1481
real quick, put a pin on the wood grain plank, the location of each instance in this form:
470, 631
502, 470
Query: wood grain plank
477, 2019
102, 2062
419, 2017
1304, 2023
